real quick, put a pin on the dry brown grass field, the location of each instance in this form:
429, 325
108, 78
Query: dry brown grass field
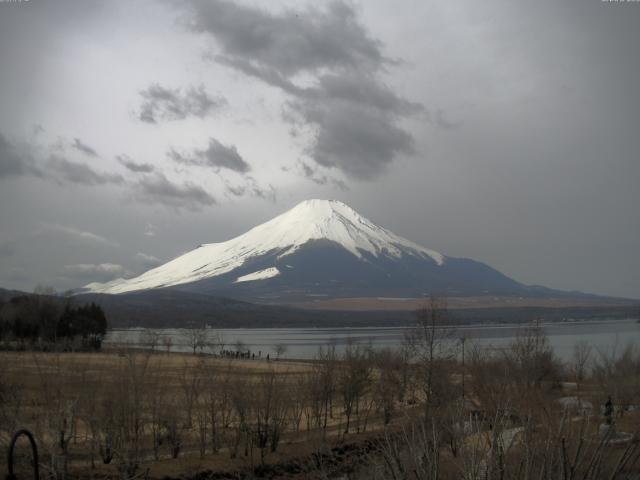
179, 413
417, 412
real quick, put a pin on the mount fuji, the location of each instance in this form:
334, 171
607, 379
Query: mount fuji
319, 249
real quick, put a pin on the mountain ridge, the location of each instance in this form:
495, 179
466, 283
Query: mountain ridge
320, 249
310, 220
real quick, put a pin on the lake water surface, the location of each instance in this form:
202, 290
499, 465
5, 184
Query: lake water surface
603, 335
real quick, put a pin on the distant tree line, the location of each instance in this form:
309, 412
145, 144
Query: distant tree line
45, 321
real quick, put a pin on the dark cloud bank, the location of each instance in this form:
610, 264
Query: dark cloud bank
161, 103
157, 189
132, 166
12, 163
216, 155
152, 188
80, 173
354, 117
84, 148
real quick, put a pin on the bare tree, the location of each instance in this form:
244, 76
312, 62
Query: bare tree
431, 346
202, 422
191, 380
579, 365
218, 402
60, 408
354, 378
617, 374
241, 401
150, 339
532, 355
298, 400
491, 379
269, 411
387, 386
279, 349
155, 404
11, 407
167, 342
173, 425
215, 341
323, 386
124, 429
195, 338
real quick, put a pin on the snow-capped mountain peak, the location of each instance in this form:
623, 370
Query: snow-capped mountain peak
329, 220
310, 220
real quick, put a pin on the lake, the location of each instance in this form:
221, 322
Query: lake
303, 343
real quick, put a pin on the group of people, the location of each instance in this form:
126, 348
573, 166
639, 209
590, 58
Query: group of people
245, 355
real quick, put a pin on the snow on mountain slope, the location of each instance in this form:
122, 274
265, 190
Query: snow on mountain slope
310, 220
260, 275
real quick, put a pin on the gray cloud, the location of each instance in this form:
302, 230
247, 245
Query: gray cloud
340, 184
355, 124
147, 260
215, 155
94, 272
354, 116
540, 174
161, 103
264, 73
443, 122
58, 168
84, 148
268, 193
73, 232
358, 141
16, 274
313, 175
307, 170
363, 89
158, 189
290, 42
12, 163
7, 249
150, 230
81, 173
237, 191
251, 188
129, 164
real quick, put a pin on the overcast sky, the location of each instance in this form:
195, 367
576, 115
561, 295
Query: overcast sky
507, 132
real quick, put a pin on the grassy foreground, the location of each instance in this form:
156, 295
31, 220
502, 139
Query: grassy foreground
419, 412
171, 414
